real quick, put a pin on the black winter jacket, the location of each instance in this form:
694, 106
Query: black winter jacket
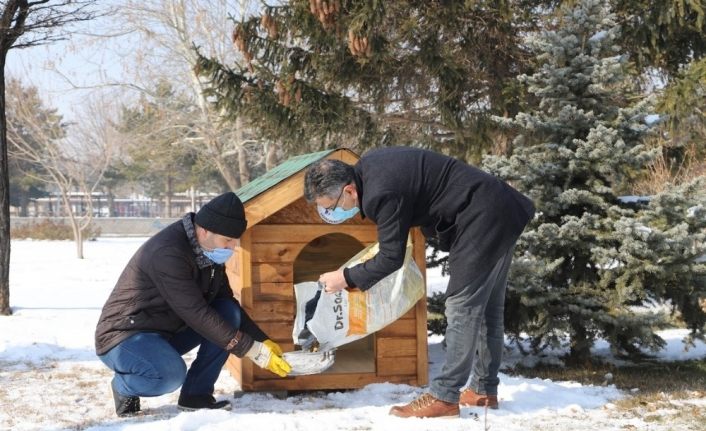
166, 287
475, 216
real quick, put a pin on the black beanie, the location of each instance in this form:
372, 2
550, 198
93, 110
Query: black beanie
224, 215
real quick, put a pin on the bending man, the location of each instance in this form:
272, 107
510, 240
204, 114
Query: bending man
474, 215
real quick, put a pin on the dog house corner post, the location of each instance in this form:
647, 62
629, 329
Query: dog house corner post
419, 252
239, 273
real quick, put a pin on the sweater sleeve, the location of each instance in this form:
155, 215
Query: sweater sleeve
393, 223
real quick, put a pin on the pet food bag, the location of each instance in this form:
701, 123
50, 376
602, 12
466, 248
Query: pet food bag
342, 317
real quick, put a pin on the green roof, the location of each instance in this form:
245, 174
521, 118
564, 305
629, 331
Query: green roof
279, 174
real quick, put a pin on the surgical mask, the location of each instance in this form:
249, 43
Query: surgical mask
336, 215
219, 255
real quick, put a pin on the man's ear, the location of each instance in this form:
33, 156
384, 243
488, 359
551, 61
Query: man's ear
201, 231
351, 188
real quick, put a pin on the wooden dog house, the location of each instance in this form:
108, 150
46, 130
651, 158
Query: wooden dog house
286, 242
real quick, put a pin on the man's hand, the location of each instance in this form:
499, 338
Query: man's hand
276, 349
333, 281
265, 357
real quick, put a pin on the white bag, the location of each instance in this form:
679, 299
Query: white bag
346, 316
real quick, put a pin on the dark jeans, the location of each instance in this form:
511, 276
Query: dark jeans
475, 325
148, 364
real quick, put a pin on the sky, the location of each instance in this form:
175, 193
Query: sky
51, 379
69, 71
103, 57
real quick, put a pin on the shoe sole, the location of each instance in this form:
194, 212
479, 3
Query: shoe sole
193, 409
474, 405
452, 416
126, 414
427, 417
131, 414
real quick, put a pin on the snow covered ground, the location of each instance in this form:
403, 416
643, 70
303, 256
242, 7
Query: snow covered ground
50, 378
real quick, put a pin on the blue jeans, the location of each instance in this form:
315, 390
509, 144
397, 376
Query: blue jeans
148, 364
475, 325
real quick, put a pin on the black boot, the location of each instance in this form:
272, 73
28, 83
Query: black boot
198, 402
124, 405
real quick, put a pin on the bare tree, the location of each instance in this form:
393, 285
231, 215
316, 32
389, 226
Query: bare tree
173, 28
73, 162
24, 24
90, 150
154, 131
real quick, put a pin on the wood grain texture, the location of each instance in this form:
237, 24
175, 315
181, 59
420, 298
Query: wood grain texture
319, 382
396, 347
399, 366
302, 212
304, 233
420, 310
274, 291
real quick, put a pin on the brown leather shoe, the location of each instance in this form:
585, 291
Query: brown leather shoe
471, 399
426, 406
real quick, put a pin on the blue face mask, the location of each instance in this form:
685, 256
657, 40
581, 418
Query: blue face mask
219, 255
336, 215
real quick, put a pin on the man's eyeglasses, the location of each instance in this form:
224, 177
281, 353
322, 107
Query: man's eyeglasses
333, 207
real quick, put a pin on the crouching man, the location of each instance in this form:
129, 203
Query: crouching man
172, 296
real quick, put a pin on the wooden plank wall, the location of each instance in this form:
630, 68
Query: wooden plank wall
262, 275
277, 263
396, 348
279, 258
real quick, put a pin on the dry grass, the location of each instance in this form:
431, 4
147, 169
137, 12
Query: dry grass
664, 173
24, 388
67, 395
672, 394
647, 376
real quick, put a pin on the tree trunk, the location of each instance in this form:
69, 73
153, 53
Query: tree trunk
4, 201
243, 166
168, 198
74, 223
111, 203
580, 353
228, 173
24, 204
501, 143
79, 242
232, 179
271, 159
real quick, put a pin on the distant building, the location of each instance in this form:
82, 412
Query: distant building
104, 206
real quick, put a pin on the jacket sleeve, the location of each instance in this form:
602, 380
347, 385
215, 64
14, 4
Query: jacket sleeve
393, 223
247, 325
175, 279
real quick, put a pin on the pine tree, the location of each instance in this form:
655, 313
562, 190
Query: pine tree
667, 246
579, 269
369, 73
662, 34
684, 102
24, 182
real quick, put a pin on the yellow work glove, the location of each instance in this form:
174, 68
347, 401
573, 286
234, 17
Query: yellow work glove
276, 349
266, 357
